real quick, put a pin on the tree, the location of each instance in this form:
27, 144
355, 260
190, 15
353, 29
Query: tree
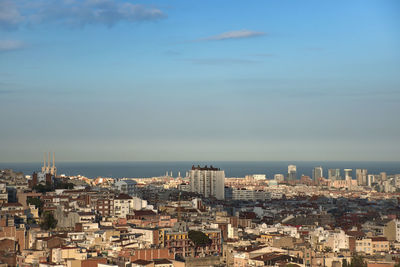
199, 238
357, 261
48, 221
344, 263
42, 188
64, 185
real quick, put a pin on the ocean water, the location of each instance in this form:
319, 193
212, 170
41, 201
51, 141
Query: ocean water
144, 169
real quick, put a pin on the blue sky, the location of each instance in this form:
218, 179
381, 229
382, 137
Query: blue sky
100, 80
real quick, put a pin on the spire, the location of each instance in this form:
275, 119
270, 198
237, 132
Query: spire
54, 155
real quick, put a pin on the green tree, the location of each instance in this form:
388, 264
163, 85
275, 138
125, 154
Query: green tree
357, 261
30, 221
64, 185
199, 238
42, 188
48, 221
344, 263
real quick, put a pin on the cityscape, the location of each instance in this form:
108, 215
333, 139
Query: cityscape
201, 218
187, 133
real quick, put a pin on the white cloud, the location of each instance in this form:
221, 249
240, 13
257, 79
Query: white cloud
221, 61
74, 12
233, 35
9, 15
8, 45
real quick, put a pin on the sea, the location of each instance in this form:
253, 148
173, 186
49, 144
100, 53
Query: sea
148, 169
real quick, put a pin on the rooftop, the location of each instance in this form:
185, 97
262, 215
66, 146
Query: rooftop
205, 168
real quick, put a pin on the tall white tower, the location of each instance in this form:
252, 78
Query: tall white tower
348, 174
208, 181
317, 173
292, 172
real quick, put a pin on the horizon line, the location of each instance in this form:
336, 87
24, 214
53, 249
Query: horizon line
202, 161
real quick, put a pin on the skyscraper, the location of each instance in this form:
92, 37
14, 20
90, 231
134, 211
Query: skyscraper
317, 173
279, 177
208, 181
292, 173
334, 174
348, 174
361, 176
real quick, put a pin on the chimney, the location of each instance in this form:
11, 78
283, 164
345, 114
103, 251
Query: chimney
48, 162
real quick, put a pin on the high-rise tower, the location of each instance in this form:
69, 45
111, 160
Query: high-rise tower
208, 181
348, 174
317, 173
361, 176
334, 174
292, 173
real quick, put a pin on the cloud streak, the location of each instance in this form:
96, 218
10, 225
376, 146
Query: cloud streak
10, 16
240, 34
77, 13
10, 45
222, 61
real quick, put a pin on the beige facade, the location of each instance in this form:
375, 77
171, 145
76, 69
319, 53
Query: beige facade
364, 245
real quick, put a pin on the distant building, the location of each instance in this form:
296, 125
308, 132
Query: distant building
255, 177
348, 174
123, 205
279, 177
184, 187
292, 173
126, 187
362, 176
208, 181
259, 177
370, 179
249, 194
334, 174
228, 193
317, 173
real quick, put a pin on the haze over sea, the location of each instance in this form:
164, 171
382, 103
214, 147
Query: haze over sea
142, 169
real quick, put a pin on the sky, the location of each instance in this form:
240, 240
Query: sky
114, 80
